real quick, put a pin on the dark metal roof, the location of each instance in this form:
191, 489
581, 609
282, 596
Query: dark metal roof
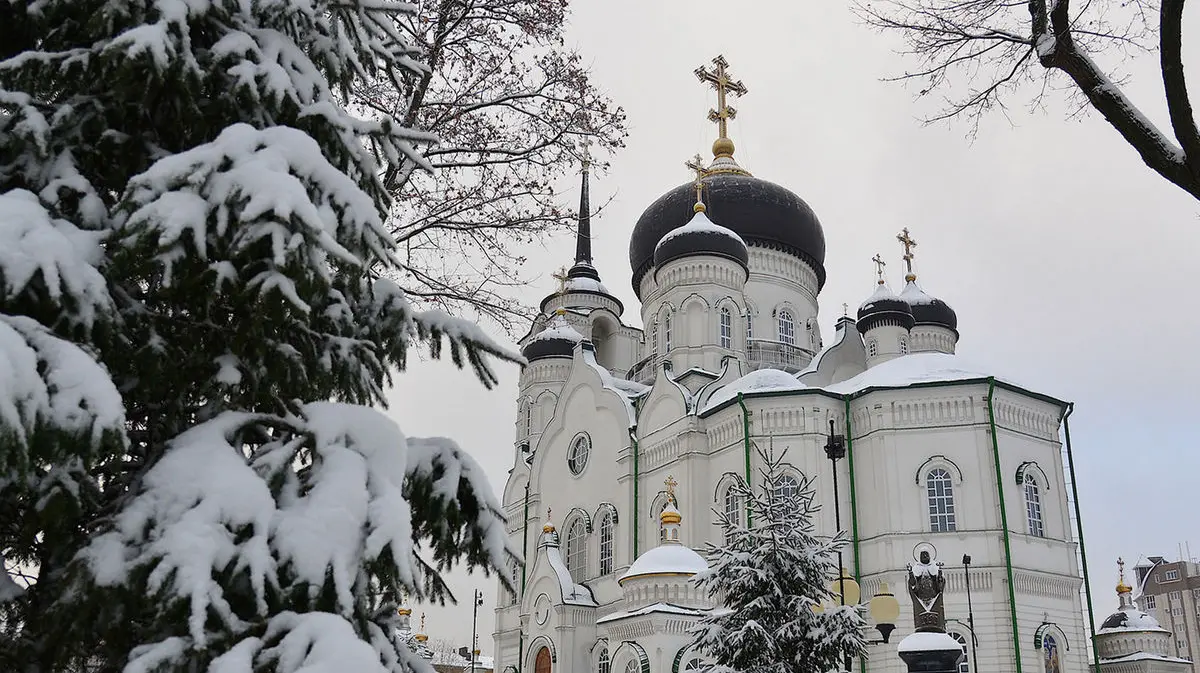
763, 213
548, 348
881, 310
936, 312
701, 243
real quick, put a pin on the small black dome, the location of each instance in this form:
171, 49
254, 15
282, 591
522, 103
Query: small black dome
927, 310
556, 341
701, 236
1116, 620
884, 307
763, 213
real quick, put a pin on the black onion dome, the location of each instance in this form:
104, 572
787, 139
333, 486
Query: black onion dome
928, 310
701, 236
1116, 620
882, 308
556, 341
763, 213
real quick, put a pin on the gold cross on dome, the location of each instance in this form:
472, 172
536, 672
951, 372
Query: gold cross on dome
696, 164
561, 277
1121, 567
671, 484
718, 78
879, 264
909, 243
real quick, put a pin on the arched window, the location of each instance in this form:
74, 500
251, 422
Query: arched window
603, 665
667, 332
528, 418
693, 665
1033, 507
577, 551
787, 487
654, 338
787, 328
965, 666
903, 346
1051, 654
726, 328
606, 544
733, 509
749, 325
632, 667
940, 493
872, 348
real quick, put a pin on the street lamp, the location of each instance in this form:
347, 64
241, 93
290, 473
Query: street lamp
970, 608
474, 621
835, 449
883, 606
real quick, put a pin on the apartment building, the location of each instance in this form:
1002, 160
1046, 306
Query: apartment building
1170, 592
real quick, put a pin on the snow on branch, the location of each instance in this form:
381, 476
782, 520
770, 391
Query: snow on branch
456, 510
48, 265
305, 512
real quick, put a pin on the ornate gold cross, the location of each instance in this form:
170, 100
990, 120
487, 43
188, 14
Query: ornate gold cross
879, 264
719, 79
696, 164
561, 277
671, 484
909, 243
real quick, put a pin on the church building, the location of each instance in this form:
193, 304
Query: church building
628, 439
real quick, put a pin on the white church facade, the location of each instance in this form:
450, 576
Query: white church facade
938, 452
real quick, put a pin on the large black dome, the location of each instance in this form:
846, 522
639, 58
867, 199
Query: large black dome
763, 213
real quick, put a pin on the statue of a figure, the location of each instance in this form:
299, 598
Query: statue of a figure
926, 586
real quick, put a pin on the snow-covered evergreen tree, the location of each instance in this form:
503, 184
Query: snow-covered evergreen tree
767, 577
193, 327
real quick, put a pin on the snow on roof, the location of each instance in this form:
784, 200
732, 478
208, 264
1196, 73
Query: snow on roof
625, 389
882, 291
667, 608
558, 329
584, 284
757, 381
1141, 656
1135, 620
572, 593
914, 295
666, 559
912, 369
455, 659
700, 224
922, 641
900, 372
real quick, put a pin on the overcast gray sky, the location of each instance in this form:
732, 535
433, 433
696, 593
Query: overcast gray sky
1072, 266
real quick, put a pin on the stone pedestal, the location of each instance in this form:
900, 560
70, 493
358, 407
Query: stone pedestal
929, 652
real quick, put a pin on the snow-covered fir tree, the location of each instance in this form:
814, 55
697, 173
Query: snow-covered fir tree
767, 577
193, 327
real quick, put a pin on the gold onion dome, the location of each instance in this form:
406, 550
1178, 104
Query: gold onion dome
1122, 587
548, 527
670, 515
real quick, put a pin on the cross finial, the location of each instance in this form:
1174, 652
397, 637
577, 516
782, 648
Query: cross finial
879, 264
422, 622
1121, 568
845, 309
671, 484
909, 243
696, 164
719, 79
561, 277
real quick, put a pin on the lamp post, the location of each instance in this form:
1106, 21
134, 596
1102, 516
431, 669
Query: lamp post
970, 608
474, 621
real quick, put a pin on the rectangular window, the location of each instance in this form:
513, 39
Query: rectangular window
1178, 612
1170, 575
1148, 602
1175, 596
1181, 644
726, 328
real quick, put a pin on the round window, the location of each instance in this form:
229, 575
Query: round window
577, 457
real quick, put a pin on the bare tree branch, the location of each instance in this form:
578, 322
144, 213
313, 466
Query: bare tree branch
515, 112
990, 49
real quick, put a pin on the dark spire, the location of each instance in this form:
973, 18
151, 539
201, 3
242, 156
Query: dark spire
583, 235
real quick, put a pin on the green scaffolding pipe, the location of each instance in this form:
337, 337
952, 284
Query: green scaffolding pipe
746, 441
637, 513
1012, 594
1087, 585
862, 660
